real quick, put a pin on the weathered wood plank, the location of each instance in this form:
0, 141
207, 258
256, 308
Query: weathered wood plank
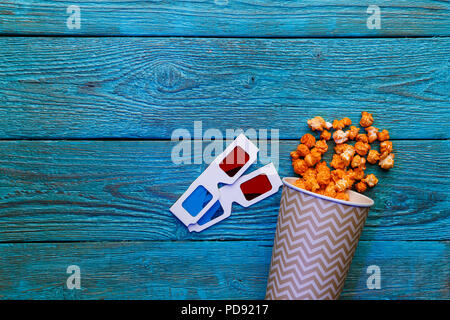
404, 274
148, 87
206, 270
122, 190
227, 18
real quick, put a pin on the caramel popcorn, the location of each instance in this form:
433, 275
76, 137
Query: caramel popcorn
371, 180
323, 177
373, 156
383, 135
302, 150
348, 162
311, 184
352, 133
386, 147
308, 140
341, 124
321, 146
316, 123
313, 157
340, 136
386, 161
330, 190
357, 173
310, 173
300, 183
362, 148
337, 162
372, 133
343, 184
309, 180
358, 161
322, 166
366, 119
323, 174
299, 166
295, 155
347, 155
319, 124
337, 174
340, 148
362, 137
342, 196
325, 135
361, 186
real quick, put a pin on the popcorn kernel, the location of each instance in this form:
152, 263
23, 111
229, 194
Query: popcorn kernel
295, 155
362, 148
358, 161
325, 135
383, 135
340, 136
321, 146
308, 140
362, 137
303, 150
386, 147
353, 132
373, 156
299, 166
361, 186
371, 180
317, 123
372, 134
386, 161
366, 119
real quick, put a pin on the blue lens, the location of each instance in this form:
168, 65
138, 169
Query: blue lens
197, 200
214, 212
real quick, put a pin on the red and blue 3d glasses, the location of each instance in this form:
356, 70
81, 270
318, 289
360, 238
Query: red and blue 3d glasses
204, 204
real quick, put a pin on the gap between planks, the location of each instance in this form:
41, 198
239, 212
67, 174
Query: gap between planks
50, 35
166, 140
193, 240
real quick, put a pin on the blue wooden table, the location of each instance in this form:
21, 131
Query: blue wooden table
88, 107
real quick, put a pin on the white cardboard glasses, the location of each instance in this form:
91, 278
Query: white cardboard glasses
203, 193
203, 204
246, 191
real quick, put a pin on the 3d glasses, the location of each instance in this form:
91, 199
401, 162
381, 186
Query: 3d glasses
246, 191
203, 204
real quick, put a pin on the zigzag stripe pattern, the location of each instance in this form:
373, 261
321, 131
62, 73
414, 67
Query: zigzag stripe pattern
314, 246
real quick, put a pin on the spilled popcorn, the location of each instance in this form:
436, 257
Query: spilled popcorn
349, 161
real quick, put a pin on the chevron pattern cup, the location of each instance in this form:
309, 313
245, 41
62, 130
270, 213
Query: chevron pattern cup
316, 238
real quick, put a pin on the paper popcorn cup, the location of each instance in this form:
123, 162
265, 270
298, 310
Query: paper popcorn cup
315, 240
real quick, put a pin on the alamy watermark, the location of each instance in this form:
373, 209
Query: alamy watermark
74, 19
374, 20
374, 280
203, 147
74, 280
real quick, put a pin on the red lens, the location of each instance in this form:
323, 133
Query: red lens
256, 187
234, 161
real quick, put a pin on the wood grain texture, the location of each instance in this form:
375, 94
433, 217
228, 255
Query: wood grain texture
103, 205
206, 270
148, 87
250, 18
122, 190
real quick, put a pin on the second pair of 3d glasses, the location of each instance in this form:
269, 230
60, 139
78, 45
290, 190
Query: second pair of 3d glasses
205, 204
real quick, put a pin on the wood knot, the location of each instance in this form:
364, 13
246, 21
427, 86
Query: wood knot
169, 78
318, 54
250, 82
